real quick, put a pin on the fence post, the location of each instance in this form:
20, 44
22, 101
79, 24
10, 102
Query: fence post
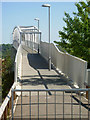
5, 114
12, 103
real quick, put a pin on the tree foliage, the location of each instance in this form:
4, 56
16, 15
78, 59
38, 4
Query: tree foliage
75, 37
8, 55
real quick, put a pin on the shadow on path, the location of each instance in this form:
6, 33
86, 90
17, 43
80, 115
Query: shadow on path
37, 62
81, 103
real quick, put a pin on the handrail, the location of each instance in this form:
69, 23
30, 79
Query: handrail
67, 90
67, 53
60, 98
6, 103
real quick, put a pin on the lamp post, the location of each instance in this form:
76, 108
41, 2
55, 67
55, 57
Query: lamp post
37, 19
47, 5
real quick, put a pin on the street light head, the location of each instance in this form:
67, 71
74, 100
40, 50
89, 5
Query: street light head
46, 5
36, 19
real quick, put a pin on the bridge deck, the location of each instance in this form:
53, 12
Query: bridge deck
35, 75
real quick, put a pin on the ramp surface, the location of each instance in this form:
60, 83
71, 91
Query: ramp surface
35, 75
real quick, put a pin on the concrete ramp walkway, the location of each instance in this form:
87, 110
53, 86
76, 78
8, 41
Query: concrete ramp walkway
35, 75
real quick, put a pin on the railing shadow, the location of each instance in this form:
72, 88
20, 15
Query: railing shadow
81, 103
37, 62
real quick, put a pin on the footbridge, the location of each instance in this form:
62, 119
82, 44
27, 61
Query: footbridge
40, 93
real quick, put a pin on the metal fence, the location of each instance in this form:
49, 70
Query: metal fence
51, 104
32, 45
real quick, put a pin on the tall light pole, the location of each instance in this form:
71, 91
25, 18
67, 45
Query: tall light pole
37, 19
47, 5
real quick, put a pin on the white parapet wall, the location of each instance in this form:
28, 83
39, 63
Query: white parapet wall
88, 78
44, 49
74, 68
88, 81
18, 63
57, 58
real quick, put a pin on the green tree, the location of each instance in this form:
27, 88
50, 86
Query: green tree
8, 54
75, 37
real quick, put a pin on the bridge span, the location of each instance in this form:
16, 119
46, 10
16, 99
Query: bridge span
45, 104
40, 93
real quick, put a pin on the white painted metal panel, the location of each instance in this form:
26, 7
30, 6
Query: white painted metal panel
73, 67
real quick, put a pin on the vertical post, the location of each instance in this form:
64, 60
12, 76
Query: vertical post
38, 37
30, 103
55, 105
71, 106
15, 73
63, 105
80, 106
27, 39
38, 25
21, 105
5, 114
34, 41
37, 19
49, 42
49, 56
46, 105
88, 104
12, 103
40, 44
30, 40
38, 105
20, 38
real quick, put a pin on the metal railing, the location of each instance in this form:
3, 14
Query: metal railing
5, 109
52, 104
32, 45
73, 67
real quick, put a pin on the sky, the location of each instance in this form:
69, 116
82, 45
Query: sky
24, 13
